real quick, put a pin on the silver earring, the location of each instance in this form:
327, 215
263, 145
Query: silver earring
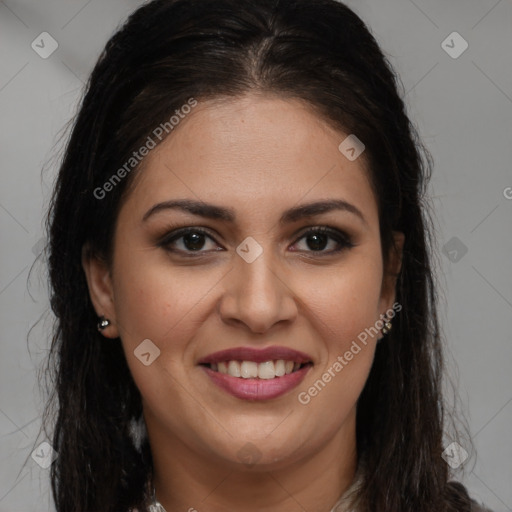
104, 322
386, 328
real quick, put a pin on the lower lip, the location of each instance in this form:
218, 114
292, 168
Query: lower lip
257, 389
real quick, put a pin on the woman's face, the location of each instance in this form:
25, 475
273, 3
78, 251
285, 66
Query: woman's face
258, 276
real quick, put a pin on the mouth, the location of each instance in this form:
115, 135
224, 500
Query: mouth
266, 370
256, 374
257, 388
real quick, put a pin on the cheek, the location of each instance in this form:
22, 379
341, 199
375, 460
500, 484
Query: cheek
163, 303
342, 318
343, 309
343, 302
151, 297
156, 302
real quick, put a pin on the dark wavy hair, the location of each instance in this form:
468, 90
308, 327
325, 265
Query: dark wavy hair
315, 51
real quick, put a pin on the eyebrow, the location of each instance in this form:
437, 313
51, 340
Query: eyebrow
212, 211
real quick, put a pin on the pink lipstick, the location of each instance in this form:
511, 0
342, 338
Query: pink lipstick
257, 374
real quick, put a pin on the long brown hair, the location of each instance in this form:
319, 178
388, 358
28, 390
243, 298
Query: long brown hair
168, 51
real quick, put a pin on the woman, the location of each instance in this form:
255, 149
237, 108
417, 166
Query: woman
240, 271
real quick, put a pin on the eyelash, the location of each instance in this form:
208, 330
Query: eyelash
343, 240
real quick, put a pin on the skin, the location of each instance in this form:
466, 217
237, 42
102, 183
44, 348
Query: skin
258, 155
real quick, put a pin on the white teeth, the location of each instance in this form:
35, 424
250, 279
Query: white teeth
266, 370
279, 367
234, 369
251, 370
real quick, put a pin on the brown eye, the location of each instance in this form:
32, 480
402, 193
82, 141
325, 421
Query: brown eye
318, 238
193, 240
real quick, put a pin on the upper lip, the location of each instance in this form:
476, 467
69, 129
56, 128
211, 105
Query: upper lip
258, 355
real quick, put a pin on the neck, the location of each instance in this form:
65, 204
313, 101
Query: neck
186, 480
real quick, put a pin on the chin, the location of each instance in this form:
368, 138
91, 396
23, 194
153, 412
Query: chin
259, 451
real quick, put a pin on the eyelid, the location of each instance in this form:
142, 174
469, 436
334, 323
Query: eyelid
172, 233
327, 229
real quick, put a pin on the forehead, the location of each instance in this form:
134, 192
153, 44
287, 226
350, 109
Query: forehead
253, 153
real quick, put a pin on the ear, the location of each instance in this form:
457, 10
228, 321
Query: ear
99, 282
388, 289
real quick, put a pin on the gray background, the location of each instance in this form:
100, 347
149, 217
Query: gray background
463, 109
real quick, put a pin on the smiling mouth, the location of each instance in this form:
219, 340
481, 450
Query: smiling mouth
252, 370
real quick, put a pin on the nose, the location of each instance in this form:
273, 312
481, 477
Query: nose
258, 295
